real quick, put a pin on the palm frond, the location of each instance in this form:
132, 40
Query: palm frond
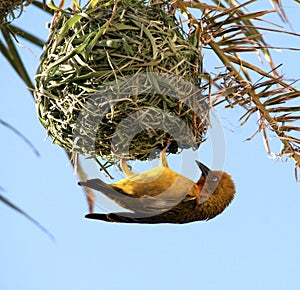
16, 208
279, 8
19, 134
229, 31
9, 50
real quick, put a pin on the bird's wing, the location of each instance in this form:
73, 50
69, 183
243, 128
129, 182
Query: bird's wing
123, 217
157, 204
112, 217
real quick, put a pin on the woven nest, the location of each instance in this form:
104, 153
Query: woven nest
96, 71
8, 9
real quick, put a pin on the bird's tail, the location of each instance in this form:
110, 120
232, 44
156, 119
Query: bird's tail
97, 184
119, 197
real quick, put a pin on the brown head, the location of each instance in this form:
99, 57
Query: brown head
217, 191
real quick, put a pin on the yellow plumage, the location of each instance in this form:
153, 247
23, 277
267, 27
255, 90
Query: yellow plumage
161, 195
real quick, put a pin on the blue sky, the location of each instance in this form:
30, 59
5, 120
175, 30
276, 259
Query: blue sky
254, 244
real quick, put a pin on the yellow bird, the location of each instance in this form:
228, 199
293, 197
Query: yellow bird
161, 195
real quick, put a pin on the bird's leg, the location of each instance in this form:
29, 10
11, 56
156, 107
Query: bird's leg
125, 168
163, 156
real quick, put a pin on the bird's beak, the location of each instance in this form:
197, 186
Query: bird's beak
205, 170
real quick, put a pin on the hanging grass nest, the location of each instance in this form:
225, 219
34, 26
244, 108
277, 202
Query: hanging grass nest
11, 9
117, 64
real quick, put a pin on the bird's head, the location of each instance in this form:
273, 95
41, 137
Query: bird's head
217, 190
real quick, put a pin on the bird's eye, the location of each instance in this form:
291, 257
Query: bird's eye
214, 179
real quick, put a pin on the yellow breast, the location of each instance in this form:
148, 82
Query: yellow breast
157, 181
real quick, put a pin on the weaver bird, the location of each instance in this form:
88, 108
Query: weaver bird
161, 195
